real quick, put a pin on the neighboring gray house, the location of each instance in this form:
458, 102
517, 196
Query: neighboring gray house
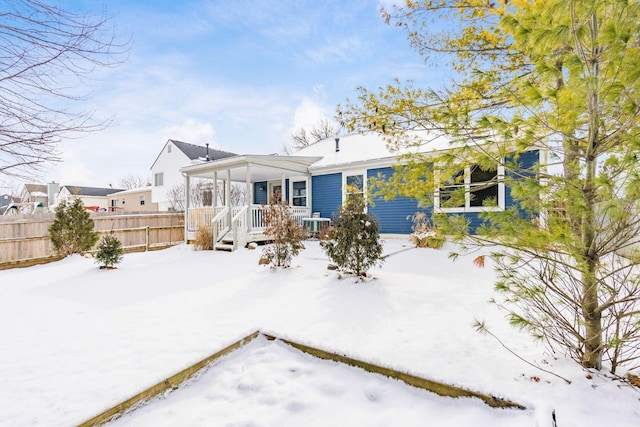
7, 200
166, 168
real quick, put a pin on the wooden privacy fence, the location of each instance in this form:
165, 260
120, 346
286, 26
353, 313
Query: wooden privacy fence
25, 241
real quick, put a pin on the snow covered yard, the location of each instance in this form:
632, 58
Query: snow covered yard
76, 340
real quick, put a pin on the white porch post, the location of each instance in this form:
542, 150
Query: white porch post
215, 192
309, 201
249, 199
187, 206
227, 196
283, 196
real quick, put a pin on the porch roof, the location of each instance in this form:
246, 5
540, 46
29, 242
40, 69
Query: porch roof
261, 167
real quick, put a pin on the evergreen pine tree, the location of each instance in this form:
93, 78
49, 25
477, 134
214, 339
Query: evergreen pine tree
109, 251
550, 77
353, 243
72, 229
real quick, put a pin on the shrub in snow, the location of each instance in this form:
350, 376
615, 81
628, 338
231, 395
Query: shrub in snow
425, 234
109, 251
284, 232
353, 242
72, 229
204, 239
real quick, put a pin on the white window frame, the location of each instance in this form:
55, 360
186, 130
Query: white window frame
304, 179
363, 173
271, 185
467, 196
142, 200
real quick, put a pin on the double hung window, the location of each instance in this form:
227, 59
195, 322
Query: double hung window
472, 189
299, 196
353, 183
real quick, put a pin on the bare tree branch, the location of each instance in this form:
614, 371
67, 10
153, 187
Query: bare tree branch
46, 54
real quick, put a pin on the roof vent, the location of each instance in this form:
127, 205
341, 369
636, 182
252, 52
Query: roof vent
208, 159
337, 144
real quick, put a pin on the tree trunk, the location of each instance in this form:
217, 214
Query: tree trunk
592, 356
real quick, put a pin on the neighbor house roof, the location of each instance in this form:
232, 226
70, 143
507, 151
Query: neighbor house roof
7, 199
78, 190
33, 188
115, 192
194, 152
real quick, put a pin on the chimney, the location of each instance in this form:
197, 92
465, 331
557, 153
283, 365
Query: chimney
53, 188
208, 159
337, 144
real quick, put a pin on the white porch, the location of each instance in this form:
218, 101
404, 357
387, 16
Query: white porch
260, 177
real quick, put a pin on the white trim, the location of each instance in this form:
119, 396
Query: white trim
274, 183
354, 166
345, 174
307, 181
155, 179
467, 195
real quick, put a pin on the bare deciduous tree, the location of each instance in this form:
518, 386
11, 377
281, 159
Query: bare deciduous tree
46, 54
302, 138
131, 181
201, 193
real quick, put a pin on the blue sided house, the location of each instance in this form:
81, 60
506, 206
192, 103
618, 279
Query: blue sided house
313, 182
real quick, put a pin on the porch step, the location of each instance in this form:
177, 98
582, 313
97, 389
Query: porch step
224, 246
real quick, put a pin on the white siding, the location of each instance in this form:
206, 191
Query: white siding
169, 164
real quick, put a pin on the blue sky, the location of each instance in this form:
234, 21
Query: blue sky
241, 75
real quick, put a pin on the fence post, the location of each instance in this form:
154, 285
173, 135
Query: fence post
146, 235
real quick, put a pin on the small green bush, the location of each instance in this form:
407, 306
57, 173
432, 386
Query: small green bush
109, 251
353, 242
72, 229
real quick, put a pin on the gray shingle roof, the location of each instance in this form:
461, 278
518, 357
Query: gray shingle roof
33, 188
194, 152
78, 190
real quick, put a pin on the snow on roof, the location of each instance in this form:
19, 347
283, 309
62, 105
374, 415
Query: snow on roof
130, 191
360, 148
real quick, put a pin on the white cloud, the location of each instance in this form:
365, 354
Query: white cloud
307, 114
190, 130
336, 51
389, 4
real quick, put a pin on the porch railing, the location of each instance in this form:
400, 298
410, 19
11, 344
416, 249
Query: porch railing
200, 217
239, 227
257, 222
220, 225
204, 216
